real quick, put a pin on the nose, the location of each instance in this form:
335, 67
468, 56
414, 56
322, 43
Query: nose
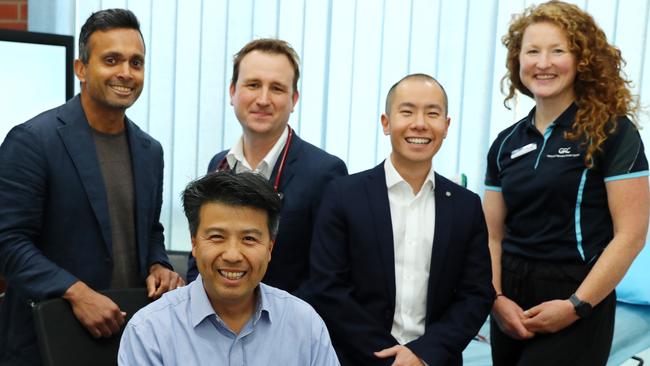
418, 122
125, 71
231, 253
263, 97
543, 60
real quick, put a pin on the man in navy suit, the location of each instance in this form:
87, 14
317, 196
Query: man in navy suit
80, 196
400, 265
264, 92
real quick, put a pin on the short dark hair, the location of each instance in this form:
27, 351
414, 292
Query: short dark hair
105, 20
239, 190
391, 91
272, 46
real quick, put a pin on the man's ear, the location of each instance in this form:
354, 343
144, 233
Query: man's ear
271, 245
385, 124
80, 70
447, 128
232, 92
295, 97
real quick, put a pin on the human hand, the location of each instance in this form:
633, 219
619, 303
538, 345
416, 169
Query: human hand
508, 316
550, 316
96, 312
403, 356
161, 280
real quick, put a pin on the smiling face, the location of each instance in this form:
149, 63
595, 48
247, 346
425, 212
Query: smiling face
114, 75
417, 122
263, 96
232, 247
547, 65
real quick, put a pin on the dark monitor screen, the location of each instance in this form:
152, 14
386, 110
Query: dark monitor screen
38, 74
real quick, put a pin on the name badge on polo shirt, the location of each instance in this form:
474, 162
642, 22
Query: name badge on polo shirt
523, 150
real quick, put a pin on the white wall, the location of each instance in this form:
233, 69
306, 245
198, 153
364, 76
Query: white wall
352, 51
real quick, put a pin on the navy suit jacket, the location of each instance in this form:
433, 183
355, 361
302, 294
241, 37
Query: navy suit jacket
307, 171
54, 220
353, 271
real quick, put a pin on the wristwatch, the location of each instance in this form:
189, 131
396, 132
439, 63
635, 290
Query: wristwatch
582, 308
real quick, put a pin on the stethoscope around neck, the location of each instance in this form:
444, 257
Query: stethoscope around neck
224, 166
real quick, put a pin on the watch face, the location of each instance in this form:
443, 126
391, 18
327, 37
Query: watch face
582, 308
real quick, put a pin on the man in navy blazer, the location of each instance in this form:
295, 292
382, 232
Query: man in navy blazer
80, 196
400, 265
264, 92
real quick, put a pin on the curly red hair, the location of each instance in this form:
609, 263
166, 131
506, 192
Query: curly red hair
601, 88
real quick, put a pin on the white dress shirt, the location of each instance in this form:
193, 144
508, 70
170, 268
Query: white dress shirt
236, 158
413, 221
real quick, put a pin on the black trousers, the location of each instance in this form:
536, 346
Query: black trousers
528, 282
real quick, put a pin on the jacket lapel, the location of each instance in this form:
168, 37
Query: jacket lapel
381, 220
139, 145
77, 138
444, 210
292, 156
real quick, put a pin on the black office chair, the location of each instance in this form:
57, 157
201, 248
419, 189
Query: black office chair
64, 341
178, 260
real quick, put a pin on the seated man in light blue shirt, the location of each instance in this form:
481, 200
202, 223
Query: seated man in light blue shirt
228, 317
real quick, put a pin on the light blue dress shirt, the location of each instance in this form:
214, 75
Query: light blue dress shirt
182, 328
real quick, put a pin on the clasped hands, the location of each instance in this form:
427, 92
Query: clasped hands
547, 317
100, 315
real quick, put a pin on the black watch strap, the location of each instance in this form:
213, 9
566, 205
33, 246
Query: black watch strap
582, 308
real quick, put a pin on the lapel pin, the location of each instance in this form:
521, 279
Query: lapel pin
448, 194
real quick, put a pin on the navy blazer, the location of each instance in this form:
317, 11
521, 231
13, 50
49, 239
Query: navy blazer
307, 171
55, 225
353, 271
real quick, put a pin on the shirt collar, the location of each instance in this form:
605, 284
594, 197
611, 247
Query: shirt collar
201, 308
235, 156
263, 304
565, 119
393, 177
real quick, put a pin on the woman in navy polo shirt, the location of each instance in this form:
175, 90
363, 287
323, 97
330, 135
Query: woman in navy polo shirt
566, 198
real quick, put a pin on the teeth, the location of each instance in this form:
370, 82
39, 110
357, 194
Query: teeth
418, 140
232, 275
121, 88
545, 76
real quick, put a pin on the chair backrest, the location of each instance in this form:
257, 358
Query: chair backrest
178, 260
62, 340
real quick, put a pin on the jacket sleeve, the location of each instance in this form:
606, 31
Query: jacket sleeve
335, 168
23, 191
446, 338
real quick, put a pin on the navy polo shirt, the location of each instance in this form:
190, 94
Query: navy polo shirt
557, 207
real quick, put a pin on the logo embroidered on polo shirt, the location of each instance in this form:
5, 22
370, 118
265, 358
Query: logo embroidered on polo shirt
563, 152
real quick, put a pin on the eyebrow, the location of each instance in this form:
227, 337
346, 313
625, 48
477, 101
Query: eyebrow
121, 55
428, 106
406, 105
217, 229
535, 45
253, 231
